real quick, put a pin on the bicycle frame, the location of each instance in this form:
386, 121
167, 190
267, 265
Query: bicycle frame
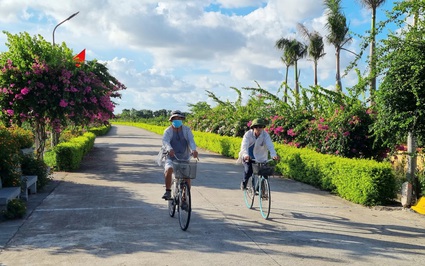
259, 184
181, 198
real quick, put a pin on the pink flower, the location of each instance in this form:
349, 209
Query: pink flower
249, 124
291, 132
63, 103
10, 112
401, 148
18, 96
322, 127
346, 133
278, 130
25, 91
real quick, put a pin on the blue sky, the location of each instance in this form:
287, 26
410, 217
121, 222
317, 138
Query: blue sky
169, 53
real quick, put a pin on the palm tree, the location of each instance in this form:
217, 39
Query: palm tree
288, 61
338, 33
372, 5
316, 47
295, 50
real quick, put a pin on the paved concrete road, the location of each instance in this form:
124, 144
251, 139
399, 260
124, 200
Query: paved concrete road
110, 212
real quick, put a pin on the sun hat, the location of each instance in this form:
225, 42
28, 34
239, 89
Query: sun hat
258, 122
176, 113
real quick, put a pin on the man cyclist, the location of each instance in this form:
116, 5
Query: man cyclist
177, 141
256, 144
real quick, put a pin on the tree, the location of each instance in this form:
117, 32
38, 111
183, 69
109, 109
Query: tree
295, 50
40, 84
338, 34
373, 6
316, 47
400, 101
288, 61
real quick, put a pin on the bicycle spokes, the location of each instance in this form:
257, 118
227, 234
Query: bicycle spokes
264, 197
184, 206
249, 192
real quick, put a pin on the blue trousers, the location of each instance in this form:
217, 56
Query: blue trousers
247, 170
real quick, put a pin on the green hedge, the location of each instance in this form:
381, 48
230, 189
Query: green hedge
100, 131
361, 181
152, 128
67, 156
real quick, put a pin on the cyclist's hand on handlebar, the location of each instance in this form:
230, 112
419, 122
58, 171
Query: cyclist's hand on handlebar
276, 158
195, 154
246, 158
171, 153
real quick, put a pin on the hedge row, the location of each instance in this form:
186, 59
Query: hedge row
361, 181
67, 156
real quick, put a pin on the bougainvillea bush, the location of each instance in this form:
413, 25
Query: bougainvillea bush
41, 84
325, 121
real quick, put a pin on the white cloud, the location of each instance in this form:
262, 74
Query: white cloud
168, 53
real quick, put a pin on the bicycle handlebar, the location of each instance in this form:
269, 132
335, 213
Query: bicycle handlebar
256, 161
178, 159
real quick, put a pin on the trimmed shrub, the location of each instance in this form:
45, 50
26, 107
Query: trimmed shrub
23, 137
361, 181
9, 159
100, 131
16, 209
33, 166
67, 156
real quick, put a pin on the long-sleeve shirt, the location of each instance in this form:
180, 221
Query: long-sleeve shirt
168, 135
263, 144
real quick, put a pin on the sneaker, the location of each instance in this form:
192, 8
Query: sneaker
185, 206
167, 195
243, 185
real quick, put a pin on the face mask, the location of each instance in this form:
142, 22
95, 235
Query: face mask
177, 123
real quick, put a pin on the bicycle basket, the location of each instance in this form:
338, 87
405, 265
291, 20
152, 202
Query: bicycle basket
185, 169
261, 169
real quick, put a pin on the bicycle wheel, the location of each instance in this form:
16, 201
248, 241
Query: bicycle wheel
173, 202
184, 206
249, 192
264, 197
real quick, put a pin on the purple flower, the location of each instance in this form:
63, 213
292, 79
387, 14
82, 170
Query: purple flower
10, 112
63, 103
25, 91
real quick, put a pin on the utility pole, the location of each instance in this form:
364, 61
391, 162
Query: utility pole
410, 188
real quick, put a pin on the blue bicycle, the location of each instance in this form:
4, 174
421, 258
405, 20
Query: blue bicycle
258, 184
181, 198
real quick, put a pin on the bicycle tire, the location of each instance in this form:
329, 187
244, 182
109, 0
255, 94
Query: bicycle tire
173, 202
264, 197
249, 192
184, 214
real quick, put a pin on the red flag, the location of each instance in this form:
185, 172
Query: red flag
80, 58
